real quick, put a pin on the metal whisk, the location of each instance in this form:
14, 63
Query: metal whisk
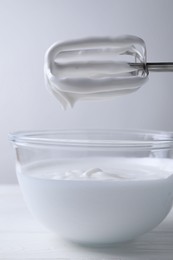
98, 68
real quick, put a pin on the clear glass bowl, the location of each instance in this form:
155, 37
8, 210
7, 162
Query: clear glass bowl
92, 209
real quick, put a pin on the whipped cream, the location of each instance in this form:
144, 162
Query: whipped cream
121, 169
88, 69
93, 173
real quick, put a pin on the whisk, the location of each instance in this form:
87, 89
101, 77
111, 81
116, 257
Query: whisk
98, 68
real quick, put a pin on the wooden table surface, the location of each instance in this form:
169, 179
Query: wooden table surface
22, 237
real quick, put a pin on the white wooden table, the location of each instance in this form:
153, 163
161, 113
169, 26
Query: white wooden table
22, 237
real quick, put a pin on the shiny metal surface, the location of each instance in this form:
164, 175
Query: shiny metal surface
154, 66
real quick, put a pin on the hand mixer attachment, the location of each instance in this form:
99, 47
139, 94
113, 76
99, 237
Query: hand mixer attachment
97, 68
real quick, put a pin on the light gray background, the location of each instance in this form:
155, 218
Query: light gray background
28, 28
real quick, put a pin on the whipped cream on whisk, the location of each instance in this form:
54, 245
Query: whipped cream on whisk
94, 68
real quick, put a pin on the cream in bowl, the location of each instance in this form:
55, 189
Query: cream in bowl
96, 187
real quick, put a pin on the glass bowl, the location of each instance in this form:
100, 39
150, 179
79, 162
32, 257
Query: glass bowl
96, 186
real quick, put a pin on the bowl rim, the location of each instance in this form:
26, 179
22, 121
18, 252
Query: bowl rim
70, 137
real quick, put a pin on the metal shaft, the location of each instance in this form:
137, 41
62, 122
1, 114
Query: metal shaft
155, 66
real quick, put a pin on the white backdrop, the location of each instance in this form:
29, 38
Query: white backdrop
28, 28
